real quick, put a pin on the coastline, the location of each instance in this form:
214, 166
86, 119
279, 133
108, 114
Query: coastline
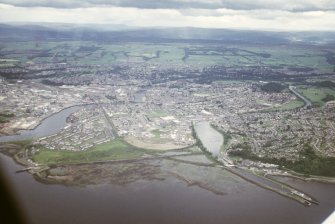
320, 179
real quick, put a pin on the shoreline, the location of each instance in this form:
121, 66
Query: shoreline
16, 131
319, 179
38, 174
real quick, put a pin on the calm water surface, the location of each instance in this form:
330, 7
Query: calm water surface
210, 138
168, 201
49, 126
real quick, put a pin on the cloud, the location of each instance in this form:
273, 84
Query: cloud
260, 19
243, 14
286, 5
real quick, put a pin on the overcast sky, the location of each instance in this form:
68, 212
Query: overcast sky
243, 14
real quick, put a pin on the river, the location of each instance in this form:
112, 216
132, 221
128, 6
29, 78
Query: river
210, 138
49, 126
161, 201
168, 201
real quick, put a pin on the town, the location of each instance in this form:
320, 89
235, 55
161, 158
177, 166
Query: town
156, 114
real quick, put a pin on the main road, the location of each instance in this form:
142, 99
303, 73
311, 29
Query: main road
295, 92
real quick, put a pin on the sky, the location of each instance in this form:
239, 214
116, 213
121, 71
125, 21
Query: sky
281, 15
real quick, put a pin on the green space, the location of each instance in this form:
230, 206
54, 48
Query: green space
232, 82
309, 163
22, 143
317, 95
156, 133
328, 98
5, 117
159, 113
113, 150
293, 104
93, 53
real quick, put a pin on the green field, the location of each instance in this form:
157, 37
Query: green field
89, 52
158, 113
5, 117
113, 150
316, 94
156, 133
293, 104
22, 143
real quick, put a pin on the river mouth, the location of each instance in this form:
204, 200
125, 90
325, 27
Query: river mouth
162, 201
161, 190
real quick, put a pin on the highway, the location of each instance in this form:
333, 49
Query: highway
306, 101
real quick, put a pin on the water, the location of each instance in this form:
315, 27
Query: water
210, 138
49, 126
168, 201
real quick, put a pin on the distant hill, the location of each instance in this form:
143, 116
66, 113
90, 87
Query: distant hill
187, 34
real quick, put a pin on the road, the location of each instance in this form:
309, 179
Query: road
306, 101
112, 130
272, 185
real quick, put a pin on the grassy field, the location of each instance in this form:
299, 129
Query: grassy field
316, 94
22, 143
159, 113
113, 150
156, 133
293, 104
5, 117
88, 52
233, 82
